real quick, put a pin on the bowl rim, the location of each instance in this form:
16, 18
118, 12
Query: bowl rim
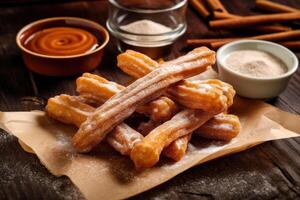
290, 71
34, 23
139, 10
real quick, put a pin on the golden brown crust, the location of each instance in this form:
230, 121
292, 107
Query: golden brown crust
99, 89
221, 127
136, 64
161, 109
145, 89
182, 124
68, 109
176, 150
146, 153
123, 138
170, 138
73, 110
95, 87
212, 95
196, 93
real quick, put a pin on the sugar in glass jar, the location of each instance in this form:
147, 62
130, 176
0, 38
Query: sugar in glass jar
148, 26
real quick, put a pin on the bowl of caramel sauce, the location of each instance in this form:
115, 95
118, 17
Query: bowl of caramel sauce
62, 46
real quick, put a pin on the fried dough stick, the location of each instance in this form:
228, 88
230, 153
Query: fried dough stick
190, 93
196, 94
99, 89
206, 95
143, 90
146, 153
221, 127
74, 110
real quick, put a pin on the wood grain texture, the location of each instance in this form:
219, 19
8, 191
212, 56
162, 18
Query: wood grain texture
269, 171
23, 176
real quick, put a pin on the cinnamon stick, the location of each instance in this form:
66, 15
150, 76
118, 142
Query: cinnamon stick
254, 20
283, 36
199, 7
264, 29
207, 42
222, 15
216, 5
294, 45
274, 7
270, 28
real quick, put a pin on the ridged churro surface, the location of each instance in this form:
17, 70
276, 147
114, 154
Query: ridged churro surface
220, 127
146, 153
209, 95
99, 89
143, 90
161, 91
68, 109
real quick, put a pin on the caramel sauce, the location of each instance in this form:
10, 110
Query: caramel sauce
61, 41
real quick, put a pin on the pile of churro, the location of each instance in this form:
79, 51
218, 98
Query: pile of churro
176, 107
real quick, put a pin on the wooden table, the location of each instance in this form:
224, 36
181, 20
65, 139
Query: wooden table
270, 170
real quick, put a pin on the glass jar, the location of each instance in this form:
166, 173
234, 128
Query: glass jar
148, 26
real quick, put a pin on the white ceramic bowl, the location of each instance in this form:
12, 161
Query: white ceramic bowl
252, 87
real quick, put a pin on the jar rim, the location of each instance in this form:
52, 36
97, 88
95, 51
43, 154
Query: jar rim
139, 10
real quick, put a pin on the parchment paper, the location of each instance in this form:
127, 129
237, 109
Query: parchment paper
104, 174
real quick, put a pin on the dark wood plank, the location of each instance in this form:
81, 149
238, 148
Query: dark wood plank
23, 176
240, 176
14, 82
269, 171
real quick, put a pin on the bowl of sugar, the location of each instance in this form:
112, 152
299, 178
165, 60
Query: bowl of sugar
257, 69
150, 27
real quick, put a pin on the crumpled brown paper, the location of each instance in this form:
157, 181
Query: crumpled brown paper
104, 174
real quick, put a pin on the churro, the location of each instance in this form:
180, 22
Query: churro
206, 98
74, 110
99, 89
220, 127
208, 95
146, 153
68, 109
146, 127
131, 60
160, 109
176, 150
143, 90
95, 87
196, 94
123, 138
127, 59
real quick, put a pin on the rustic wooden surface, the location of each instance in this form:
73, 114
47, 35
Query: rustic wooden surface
269, 171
